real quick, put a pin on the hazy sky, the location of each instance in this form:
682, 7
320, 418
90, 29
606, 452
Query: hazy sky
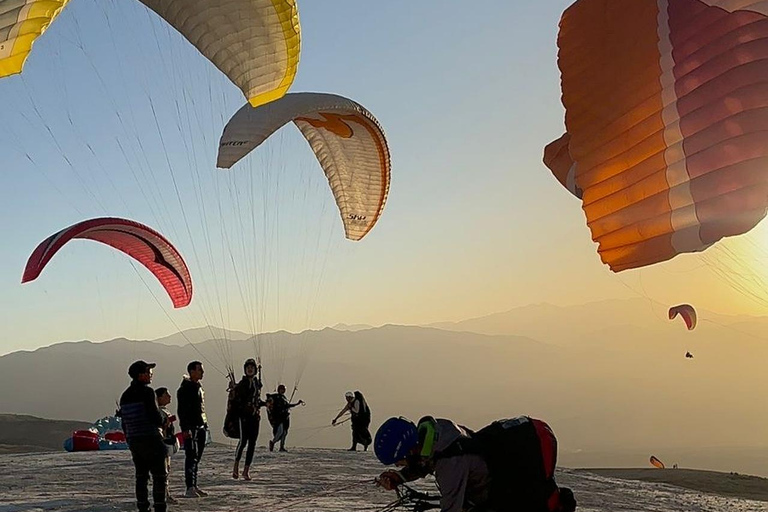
116, 114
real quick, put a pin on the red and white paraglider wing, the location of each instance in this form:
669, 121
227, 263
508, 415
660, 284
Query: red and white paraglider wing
142, 243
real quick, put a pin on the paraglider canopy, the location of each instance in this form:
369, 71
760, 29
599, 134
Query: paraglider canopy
142, 243
657, 463
665, 116
347, 140
255, 43
686, 312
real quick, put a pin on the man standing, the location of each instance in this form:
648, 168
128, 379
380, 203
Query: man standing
142, 424
193, 423
279, 411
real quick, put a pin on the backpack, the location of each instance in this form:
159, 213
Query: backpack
232, 418
364, 416
521, 454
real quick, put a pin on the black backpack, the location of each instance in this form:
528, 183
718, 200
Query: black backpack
232, 418
364, 416
521, 454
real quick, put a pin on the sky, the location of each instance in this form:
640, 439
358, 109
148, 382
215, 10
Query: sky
117, 115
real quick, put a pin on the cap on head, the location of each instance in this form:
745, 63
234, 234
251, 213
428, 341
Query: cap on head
249, 362
281, 386
394, 440
349, 394
139, 367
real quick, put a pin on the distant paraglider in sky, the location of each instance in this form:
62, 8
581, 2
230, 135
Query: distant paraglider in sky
665, 104
347, 140
140, 242
657, 463
256, 43
686, 312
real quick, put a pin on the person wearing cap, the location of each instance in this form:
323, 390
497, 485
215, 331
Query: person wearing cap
143, 424
360, 415
247, 401
279, 409
506, 466
193, 424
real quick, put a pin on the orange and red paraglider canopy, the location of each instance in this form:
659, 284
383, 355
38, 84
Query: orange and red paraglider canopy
666, 102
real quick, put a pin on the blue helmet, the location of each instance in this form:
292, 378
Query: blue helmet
394, 440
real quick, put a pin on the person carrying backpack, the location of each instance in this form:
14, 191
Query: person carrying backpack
507, 466
279, 415
243, 416
360, 415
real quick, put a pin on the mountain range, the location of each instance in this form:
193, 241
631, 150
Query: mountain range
610, 378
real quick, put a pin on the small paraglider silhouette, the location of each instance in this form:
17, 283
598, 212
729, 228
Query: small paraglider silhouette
688, 314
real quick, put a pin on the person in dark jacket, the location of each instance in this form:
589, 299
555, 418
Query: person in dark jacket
247, 401
279, 410
143, 424
360, 415
193, 423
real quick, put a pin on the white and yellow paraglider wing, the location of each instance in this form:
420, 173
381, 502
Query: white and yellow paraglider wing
256, 43
348, 141
21, 22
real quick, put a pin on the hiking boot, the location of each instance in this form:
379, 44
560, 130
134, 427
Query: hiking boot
271, 446
235, 471
200, 492
246, 474
190, 493
283, 450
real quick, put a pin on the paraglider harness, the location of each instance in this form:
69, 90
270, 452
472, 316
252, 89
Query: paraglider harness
521, 455
232, 417
361, 421
364, 416
277, 409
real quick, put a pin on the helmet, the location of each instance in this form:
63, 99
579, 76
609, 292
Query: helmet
394, 440
249, 362
349, 394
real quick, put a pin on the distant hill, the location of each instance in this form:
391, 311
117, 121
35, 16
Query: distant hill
563, 325
353, 327
201, 335
21, 433
402, 370
613, 383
